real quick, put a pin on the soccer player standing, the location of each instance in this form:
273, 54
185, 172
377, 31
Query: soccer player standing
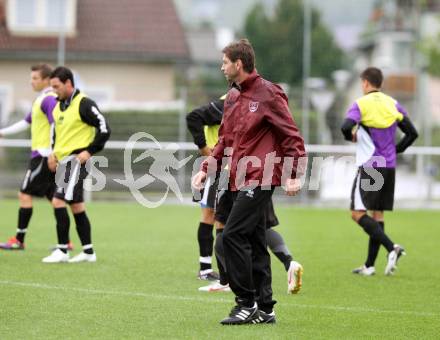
80, 131
203, 124
256, 124
371, 123
39, 181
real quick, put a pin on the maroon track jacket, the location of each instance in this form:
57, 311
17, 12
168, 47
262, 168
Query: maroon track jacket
257, 123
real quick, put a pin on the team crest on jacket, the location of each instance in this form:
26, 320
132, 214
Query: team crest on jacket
253, 106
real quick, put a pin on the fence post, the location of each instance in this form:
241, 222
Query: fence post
420, 170
181, 174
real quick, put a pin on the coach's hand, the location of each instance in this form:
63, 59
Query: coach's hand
198, 180
52, 162
83, 157
293, 186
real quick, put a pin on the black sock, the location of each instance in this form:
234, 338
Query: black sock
63, 226
206, 242
219, 255
276, 244
24, 216
373, 248
373, 229
84, 231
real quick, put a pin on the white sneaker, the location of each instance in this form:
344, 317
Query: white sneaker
83, 257
294, 278
365, 271
57, 256
393, 257
215, 287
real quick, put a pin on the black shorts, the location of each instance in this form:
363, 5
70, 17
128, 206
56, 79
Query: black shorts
364, 194
78, 189
224, 206
208, 194
39, 180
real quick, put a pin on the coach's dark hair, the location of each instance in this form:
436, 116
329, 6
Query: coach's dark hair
63, 74
373, 75
242, 50
44, 69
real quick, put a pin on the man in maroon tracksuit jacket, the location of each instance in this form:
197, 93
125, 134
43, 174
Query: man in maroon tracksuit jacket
258, 137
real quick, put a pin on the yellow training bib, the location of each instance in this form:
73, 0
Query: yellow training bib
378, 110
71, 133
40, 127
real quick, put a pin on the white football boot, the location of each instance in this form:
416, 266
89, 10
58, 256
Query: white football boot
365, 271
294, 278
215, 287
57, 256
393, 257
83, 257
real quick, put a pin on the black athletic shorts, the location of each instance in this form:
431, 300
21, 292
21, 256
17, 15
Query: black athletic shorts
208, 194
224, 206
370, 194
39, 180
78, 188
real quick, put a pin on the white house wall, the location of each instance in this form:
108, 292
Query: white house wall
136, 82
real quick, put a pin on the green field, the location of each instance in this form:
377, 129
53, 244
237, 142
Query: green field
144, 284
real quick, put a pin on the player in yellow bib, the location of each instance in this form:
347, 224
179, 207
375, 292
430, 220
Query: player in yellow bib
80, 131
203, 124
39, 181
371, 123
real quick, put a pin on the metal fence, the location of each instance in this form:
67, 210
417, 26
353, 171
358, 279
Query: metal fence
328, 182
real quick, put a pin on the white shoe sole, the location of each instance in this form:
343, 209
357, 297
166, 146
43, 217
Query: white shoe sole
51, 261
363, 272
89, 260
367, 274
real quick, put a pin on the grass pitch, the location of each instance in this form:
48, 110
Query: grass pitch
144, 284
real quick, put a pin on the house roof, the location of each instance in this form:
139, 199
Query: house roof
135, 30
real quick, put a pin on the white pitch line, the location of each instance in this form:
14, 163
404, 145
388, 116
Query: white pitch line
204, 300
106, 292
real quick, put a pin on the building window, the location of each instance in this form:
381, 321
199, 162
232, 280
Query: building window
56, 13
25, 13
41, 17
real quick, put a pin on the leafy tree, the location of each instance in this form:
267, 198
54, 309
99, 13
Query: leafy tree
431, 50
434, 61
278, 43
